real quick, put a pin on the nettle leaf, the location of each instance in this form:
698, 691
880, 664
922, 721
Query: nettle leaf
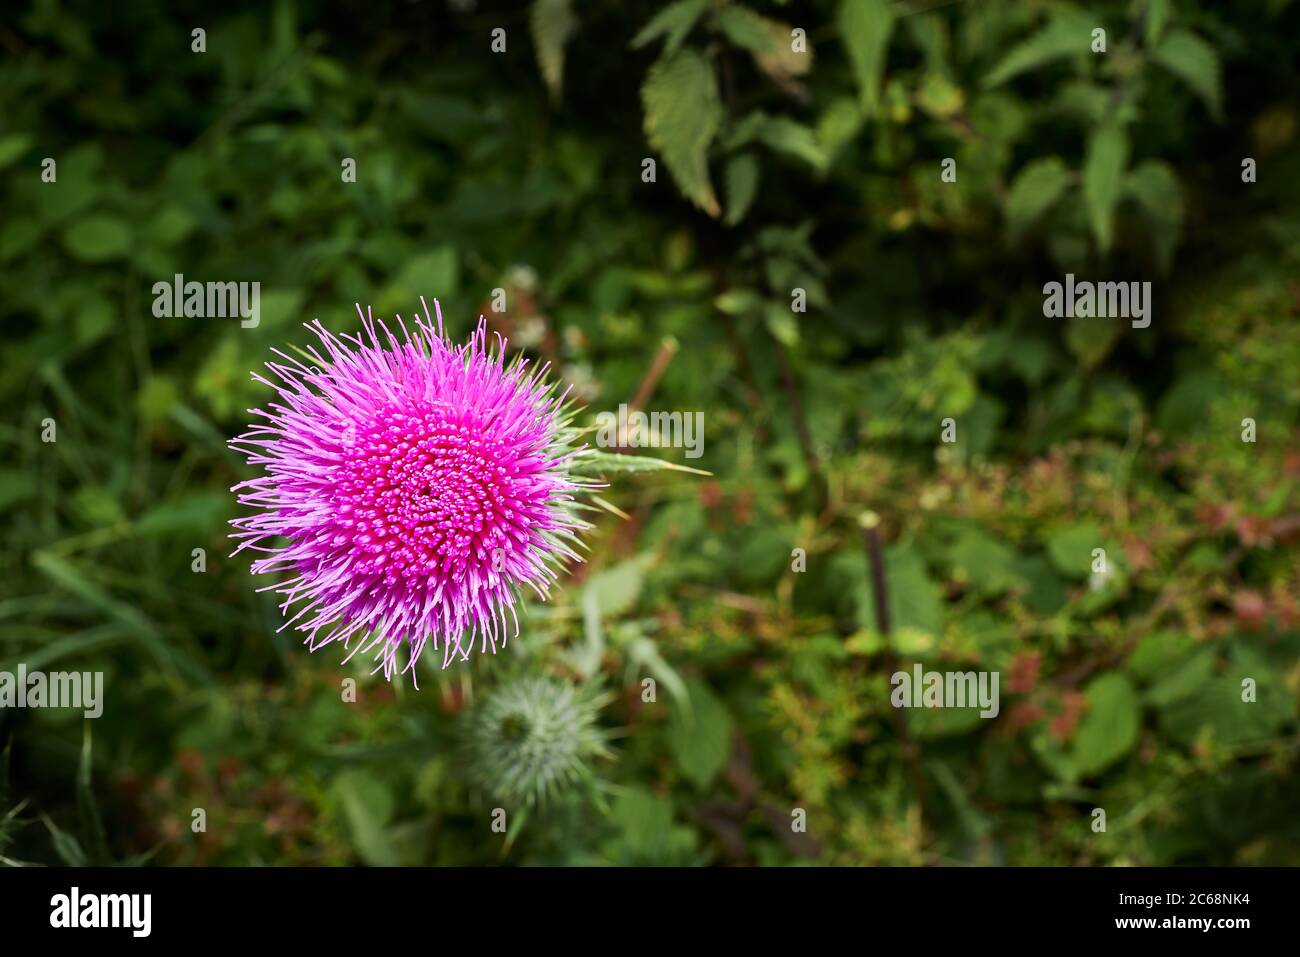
1195, 62
553, 23
865, 27
768, 41
782, 135
1156, 19
745, 28
673, 21
1061, 38
683, 114
1035, 190
741, 177
1154, 186
1103, 172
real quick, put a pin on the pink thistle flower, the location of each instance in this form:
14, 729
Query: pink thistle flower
419, 485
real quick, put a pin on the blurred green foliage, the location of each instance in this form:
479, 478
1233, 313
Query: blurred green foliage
799, 152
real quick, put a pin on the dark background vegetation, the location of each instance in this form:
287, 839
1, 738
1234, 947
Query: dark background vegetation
775, 171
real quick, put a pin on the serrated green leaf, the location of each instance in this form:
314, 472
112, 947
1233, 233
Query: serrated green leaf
1157, 17
1103, 177
1196, 63
865, 27
553, 23
741, 178
745, 28
673, 21
794, 139
683, 114
1060, 38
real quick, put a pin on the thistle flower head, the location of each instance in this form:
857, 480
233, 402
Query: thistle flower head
410, 489
531, 738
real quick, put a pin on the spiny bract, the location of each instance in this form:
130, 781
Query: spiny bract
419, 484
533, 737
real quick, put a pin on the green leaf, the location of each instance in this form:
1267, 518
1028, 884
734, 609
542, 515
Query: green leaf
1185, 680
741, 178
1157, 17
16, 486
616, 589
1109, 729
838, 124
1154, 186
553, 23
367, 806
12, 146
1196, 63
699, 736
673, 21
1217, 712
682, 116
989, 565
98, 238
432, 274
647, 835
1036, 188
747, 29
1091, 342
794, 139
1103, 172
781, 322
1071, 548
914, 599
1060, 38
939, 96
1159, 652
865, 27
